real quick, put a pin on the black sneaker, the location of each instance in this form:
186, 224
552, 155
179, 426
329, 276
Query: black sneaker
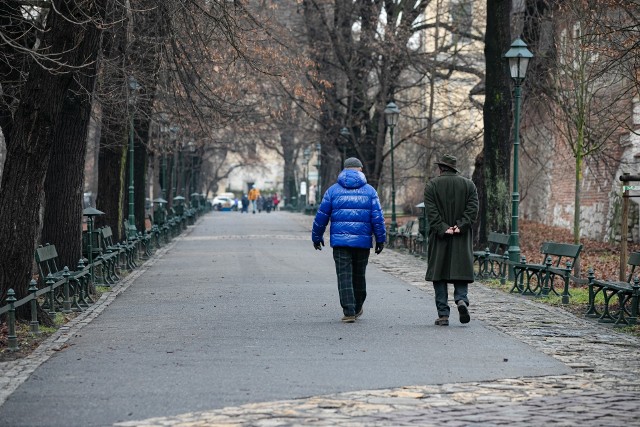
464, 312
358, 314
348, 319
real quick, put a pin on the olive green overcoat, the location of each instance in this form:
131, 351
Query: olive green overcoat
450, 199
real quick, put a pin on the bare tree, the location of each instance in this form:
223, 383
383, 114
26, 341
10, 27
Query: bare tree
72, 34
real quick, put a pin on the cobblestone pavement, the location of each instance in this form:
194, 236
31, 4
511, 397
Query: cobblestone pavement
603, 390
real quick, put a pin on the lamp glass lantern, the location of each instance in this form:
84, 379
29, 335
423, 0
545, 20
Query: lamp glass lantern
518, 56
392, 114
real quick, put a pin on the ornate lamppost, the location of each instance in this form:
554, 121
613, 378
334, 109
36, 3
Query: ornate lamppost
518, 57
392, 114
306, 155
134, 88
90, 213
318, 164
344, 132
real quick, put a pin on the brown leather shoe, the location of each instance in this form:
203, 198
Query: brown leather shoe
442, 321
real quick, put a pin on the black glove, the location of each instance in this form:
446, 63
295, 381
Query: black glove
379, 247
318, 246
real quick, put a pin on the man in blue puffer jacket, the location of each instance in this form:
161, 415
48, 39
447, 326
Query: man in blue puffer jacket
354, 209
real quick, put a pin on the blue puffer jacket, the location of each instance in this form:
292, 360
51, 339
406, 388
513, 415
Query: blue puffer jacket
354, 209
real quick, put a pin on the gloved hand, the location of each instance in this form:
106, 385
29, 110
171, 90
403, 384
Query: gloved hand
318, 246
379, 247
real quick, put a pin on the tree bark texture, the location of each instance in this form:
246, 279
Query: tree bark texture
111, 180
30, 142
64, 183
288, 153
114, 125
498, 118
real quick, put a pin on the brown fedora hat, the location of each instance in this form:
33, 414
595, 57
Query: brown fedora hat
449, 161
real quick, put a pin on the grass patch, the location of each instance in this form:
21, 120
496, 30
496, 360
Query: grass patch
27, 340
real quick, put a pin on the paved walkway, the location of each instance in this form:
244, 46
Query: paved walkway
518, 362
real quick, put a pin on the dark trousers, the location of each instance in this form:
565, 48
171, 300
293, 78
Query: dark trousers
460, 290
351, 264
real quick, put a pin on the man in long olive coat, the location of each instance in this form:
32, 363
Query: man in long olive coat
451, 202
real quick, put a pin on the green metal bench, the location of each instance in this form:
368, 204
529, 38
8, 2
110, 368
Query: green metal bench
540, 279
628, 296
78, 281
490, 263
123, 250
404, 233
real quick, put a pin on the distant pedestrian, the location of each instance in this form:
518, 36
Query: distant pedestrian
353, 207
451, 202
254, 193
275, 201
267, 204
312, 195
245, 204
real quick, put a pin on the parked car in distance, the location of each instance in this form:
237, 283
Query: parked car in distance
224, 203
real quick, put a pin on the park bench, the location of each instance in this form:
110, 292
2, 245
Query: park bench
557, 264
628, 296
124, 251
421, 240
404, 233
50, 274
490, 263
416, 239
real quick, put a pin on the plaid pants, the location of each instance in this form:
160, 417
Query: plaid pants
351, 264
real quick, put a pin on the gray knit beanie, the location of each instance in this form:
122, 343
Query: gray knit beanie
352, 162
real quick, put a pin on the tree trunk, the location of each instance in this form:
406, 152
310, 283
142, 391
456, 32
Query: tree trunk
113, 134
110, 200
288, 153
30, 142
149, 29
64, 184
494, 184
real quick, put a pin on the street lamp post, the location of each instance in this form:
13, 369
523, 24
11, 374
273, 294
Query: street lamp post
392, 114
173, 177
192, 173
318, 164
344, 132
134, 88
164, 131
306, 155
90, 213
518, 57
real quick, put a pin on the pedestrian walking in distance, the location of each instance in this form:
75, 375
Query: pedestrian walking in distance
451, 202
254, 193
353, 207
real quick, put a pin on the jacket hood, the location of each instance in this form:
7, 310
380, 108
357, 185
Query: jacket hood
351, 178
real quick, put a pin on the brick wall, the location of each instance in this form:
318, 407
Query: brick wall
547, 181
